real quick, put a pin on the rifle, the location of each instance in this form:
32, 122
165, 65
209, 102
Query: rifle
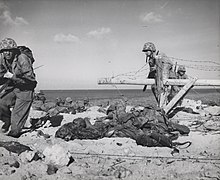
175, 67
5, 85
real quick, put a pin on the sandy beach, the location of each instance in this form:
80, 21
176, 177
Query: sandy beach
116, 158
109, 90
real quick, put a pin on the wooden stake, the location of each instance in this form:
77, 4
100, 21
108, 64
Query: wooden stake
179, 95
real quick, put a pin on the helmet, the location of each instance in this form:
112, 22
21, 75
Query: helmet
7, 43
69, 99
182, 68
86, 100
149, 46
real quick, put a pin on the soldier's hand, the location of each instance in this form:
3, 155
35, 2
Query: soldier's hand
8, 75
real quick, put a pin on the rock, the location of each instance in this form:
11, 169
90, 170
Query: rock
64, 170
33, 115
76, 169
102, 110
56, 155
4, 152
212, 126
36, 168
195, 105
122, 172
41, 133
27, 156
15, 164
93, 108
36, 114
129, 108
213, 110
51, 169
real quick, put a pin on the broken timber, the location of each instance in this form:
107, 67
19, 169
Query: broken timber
180, 94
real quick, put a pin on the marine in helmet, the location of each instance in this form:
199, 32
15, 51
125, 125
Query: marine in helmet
152, 55
150, 51
15, 69
180, 74
68, 101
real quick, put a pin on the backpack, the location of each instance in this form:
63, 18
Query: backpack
27, 51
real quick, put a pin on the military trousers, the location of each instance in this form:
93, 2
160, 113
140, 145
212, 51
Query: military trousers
19, 101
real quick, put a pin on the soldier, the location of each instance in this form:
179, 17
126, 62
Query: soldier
68, 102
181, 74
59, 101
17, 72
157, 60
150, 51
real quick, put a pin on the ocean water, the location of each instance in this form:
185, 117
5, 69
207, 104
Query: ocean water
115, 93
95, 94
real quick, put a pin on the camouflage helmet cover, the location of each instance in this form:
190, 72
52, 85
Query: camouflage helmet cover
149, 46
69, 99
181, 68
7, 43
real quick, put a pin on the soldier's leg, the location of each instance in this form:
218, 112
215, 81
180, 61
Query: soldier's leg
171, 94
6, 102
20, 112
150, 75
155, 92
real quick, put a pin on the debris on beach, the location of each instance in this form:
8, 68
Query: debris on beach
15, 147
117, 141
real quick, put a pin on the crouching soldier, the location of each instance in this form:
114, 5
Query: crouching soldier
181, 74
17, 75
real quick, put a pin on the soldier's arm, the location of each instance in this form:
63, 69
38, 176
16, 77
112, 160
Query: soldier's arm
2, 72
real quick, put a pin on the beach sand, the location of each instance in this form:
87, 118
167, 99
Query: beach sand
115, 158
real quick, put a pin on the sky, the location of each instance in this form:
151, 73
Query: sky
80, 41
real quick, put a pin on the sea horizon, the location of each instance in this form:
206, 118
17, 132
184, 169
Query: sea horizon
94, 94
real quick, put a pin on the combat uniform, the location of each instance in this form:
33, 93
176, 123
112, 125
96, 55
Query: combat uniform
157, 61
19, 93
175, 89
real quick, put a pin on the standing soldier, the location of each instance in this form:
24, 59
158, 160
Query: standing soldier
17, 72
156, 61
150, 52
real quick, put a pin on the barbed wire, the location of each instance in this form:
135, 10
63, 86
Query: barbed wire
132, 73
144, 70
214, 160
202, 68
187, 60
205, 67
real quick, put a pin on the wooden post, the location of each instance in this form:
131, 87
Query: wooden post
163, 70
160, 96
179, 95
174, 82
163, 97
